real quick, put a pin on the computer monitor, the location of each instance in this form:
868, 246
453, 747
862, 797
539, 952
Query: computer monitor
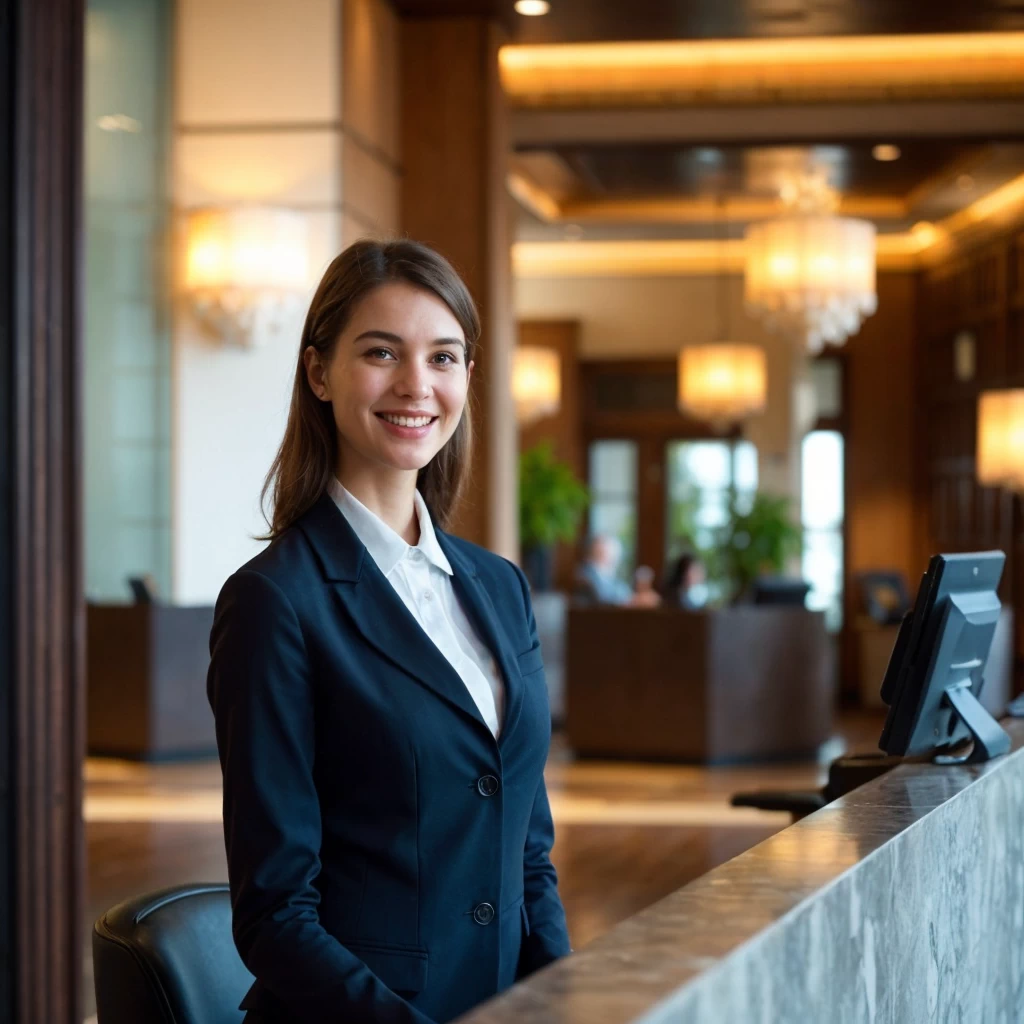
937, 667
780, 590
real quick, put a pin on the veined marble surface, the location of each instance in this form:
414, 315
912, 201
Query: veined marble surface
902, 902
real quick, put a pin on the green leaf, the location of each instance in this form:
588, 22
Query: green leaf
551, 499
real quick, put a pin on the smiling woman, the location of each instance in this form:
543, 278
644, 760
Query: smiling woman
378, 686
390, 333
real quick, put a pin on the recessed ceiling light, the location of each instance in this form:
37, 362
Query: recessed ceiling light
573, 232
532, 8
885, 152
965, 183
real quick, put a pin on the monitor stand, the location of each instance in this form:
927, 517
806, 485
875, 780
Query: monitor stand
990, 738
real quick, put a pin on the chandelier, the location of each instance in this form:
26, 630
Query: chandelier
811, 274
536, 382
722, 382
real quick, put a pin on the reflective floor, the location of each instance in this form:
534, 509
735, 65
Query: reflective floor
627, 834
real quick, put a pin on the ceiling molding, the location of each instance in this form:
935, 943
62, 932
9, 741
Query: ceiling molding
922, 246
974, 65
788, 125
741, 209
675, 258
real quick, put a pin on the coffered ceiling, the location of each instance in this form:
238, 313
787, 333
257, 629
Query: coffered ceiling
670, 125
572, 21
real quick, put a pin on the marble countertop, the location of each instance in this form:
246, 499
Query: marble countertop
651, 957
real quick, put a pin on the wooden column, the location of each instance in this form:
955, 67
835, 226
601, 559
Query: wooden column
41, 691
454, 148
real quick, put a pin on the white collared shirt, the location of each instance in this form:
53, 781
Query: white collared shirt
421, 576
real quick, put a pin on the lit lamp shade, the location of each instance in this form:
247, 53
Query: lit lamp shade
812, 277
722, 382
1000, 455
243, 262
536, 382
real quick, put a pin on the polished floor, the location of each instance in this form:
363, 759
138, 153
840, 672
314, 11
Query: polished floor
627, 834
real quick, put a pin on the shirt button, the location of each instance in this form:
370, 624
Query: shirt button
428, 595
483, 914
487, 785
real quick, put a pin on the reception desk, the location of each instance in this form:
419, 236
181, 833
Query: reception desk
901, 902
732, 684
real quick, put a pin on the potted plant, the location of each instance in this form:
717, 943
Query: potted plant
551, 503
758, 539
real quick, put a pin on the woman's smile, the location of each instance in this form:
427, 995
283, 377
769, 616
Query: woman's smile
407, 426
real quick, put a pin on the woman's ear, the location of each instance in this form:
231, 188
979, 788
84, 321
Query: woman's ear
316, 376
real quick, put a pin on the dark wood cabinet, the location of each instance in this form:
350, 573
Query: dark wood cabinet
146, 682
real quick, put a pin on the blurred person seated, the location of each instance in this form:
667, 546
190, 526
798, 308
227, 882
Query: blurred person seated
596, 582
644, 594
684, 585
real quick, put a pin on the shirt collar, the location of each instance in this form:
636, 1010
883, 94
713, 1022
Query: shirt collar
385, 546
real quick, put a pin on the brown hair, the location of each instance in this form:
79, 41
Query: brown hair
302, 468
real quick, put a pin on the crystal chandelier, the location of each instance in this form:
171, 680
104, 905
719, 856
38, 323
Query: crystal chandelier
811, 274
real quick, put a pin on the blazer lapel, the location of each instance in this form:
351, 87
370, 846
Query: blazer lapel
376, 609
473, 596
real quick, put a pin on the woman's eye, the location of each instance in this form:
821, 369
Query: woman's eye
379, 353
446, 356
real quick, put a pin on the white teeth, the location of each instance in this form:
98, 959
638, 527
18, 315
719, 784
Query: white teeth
407, 421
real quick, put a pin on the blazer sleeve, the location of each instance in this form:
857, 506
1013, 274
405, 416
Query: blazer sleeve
261, 692
548, 937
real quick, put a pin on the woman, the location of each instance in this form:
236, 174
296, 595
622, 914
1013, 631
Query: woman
382, 715
685, 579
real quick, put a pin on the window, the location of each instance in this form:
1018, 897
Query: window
821, 515
613, 496
701, 477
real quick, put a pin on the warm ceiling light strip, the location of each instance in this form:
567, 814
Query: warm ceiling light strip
897, 251
758, 70
1001, 204
741, 209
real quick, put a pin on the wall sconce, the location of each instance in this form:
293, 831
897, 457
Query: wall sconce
245, 270
1000, 452
536, 382
722, 382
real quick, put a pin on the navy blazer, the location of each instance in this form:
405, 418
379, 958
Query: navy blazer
388, 858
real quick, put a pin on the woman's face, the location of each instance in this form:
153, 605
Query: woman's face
397, 379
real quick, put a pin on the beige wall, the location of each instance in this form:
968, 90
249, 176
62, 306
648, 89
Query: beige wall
648, 317
285, 104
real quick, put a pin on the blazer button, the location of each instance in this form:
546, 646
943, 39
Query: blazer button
483, 914
487, 785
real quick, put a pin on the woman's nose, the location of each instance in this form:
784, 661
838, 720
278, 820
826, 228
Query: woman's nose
413, 382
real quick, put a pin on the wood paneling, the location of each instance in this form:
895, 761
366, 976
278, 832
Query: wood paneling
880, 522
978, 291
454, 152
42, 717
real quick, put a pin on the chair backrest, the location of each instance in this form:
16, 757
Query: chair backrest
168, 958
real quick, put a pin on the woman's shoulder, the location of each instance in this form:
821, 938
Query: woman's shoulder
285, 564
488, 563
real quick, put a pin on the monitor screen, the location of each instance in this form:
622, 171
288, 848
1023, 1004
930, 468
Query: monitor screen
937, 667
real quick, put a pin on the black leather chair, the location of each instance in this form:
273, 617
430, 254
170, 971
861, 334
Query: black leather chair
168, 958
